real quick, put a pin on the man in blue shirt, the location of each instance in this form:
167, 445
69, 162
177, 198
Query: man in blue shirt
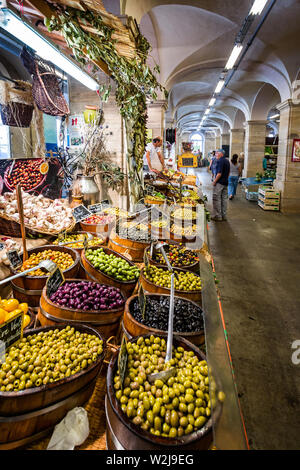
220, 184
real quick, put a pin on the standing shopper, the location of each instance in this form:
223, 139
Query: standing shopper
153, 159
235, 173
220, 184
213, 165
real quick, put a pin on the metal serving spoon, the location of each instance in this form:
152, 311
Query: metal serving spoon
166, 374
46, 265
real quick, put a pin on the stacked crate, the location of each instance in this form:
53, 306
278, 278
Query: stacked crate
269, 198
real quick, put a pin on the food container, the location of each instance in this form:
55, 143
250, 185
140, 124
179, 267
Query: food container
107, 322
133, 328
122, 433
148, 286
29, 288
126, 246
93, 274
194, 267
31, 413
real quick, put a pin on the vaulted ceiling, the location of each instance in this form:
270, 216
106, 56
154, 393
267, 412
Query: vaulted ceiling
192, 41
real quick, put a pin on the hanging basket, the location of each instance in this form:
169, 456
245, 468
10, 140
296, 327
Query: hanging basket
16, 114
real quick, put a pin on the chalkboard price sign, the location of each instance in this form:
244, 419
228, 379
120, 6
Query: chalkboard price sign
142, 300
80, 213
54, 282
123, 360
14, 258
96, 208
12, 330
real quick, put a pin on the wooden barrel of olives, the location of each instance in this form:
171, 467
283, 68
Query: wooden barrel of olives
29, 413
101, 229
90, 237
122, 433
148, 286
133, 328
93, 274
194, 267
135, 249
29, 288
107, 322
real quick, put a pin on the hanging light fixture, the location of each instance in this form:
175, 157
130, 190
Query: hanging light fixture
258, 7
24, 32
234, 56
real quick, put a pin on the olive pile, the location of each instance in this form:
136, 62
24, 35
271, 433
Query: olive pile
178, 256
47, 357
187, 316
63, 260
134, 234
112, 265
174, 409
186, 280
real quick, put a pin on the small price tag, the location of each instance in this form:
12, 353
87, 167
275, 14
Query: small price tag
85, 242
11, 331
146, 260
14, 258
54, 281
142, 300
80, 213
61, 236
123, 360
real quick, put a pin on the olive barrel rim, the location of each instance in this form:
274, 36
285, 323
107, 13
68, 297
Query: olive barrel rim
43, 388
154, 330
146, 435
167, 288
44, 293
114, 234
125, 283
76, 259
92, 323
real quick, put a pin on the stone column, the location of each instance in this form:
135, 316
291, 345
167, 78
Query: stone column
209, 144
156, 117
237, 137
288, 172
225, 139
255, 143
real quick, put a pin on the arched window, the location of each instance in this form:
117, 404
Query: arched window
197, 140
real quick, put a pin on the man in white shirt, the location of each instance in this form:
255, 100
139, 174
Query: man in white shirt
153, 159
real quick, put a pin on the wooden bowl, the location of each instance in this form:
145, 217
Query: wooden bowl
105, 321
135, 328
127, 287
152, 288
132, 437
17, 403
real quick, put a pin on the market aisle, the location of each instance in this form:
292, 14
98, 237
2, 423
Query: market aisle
257, 260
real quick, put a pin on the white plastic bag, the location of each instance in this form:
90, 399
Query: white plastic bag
72, 431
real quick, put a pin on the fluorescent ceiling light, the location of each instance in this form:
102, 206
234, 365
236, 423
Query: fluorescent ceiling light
234, 56
220, 86
32, 38
258, 7
212, 101
206, 112
275, 116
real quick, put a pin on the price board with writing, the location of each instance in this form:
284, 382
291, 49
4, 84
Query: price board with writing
54, 281
80, 213
14, 258
123, 360
96, 208
12, 330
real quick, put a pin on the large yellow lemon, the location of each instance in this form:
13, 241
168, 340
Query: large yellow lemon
11, 305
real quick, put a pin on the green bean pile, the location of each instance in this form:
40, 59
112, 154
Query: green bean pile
47, 357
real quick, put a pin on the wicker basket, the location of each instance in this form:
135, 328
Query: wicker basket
11, 228
16, 114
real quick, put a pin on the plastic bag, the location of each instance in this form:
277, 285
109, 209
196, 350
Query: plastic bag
72, 431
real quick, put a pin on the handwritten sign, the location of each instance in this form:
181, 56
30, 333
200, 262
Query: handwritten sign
96, 208
12, 330
14, 258
80, 213
54, 282
123, 360
142, 301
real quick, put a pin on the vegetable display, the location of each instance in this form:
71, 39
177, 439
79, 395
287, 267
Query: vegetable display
47, 357
174, 409
99, 219
186, 281
79, 236
26, 173
86, 295
63, 260
112, 265
187, 316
